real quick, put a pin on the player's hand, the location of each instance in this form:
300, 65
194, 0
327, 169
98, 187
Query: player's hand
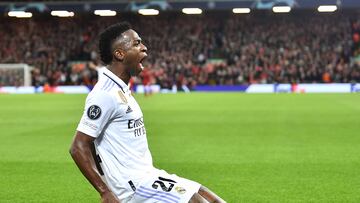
109, 197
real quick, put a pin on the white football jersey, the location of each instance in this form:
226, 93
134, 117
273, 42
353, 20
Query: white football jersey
114, 118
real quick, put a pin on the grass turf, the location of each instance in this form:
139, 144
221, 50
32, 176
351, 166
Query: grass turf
245, 147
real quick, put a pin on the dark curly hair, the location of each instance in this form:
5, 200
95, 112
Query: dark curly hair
107, 37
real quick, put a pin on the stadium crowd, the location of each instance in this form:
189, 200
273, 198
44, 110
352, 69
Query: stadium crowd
213, 48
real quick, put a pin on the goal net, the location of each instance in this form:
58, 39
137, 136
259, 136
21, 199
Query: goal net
15, 75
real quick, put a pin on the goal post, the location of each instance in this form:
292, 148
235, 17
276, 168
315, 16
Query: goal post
15, 74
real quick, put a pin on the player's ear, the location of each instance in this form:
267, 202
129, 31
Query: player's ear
119, 54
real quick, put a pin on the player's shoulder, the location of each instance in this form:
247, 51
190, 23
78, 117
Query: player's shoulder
107, 91
113, 96
99, 98
104, 85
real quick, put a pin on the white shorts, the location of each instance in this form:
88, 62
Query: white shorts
163, 187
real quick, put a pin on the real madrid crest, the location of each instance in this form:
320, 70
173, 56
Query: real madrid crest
122, 97
180, 190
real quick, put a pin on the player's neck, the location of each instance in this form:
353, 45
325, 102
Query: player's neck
120, 72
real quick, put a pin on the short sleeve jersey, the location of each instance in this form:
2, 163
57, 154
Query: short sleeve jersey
114, 118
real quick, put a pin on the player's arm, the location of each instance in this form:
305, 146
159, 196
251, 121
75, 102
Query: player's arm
82, 150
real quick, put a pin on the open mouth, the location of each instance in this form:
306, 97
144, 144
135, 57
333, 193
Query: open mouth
141, 61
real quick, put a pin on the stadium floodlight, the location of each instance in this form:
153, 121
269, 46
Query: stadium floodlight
14, 13
62, 13
20, 14
327, 8
105, 12
24, 15
241, 10
192, 10
148, 12
281, 9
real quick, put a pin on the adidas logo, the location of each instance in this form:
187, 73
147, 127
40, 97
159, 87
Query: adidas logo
129, 110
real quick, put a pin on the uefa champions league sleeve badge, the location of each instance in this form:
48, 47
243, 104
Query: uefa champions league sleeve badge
94, 112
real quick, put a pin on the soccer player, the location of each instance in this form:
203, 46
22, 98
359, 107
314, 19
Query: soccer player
146, 80
110, 145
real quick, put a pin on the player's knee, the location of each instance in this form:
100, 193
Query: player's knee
209, 196
196, 198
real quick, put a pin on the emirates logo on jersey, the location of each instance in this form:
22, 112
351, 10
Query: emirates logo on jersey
94, 112
138, 126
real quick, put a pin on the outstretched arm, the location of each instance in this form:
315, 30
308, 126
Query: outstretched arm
82, 151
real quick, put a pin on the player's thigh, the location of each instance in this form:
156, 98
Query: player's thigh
164, 187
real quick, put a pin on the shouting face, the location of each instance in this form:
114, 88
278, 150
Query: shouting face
130, 50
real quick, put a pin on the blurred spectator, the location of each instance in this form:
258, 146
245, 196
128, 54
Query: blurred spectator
216, 48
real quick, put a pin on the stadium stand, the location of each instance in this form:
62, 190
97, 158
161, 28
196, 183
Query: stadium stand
213, 48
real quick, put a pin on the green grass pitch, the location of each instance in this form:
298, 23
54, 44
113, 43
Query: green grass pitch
245, 147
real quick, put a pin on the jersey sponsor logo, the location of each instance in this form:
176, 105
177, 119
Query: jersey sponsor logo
94, 112
138, 126
134, 123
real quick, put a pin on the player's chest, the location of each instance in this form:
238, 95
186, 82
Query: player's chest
132, 122
128, 106
132, 111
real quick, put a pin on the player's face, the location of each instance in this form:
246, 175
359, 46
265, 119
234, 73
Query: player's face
135, 53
